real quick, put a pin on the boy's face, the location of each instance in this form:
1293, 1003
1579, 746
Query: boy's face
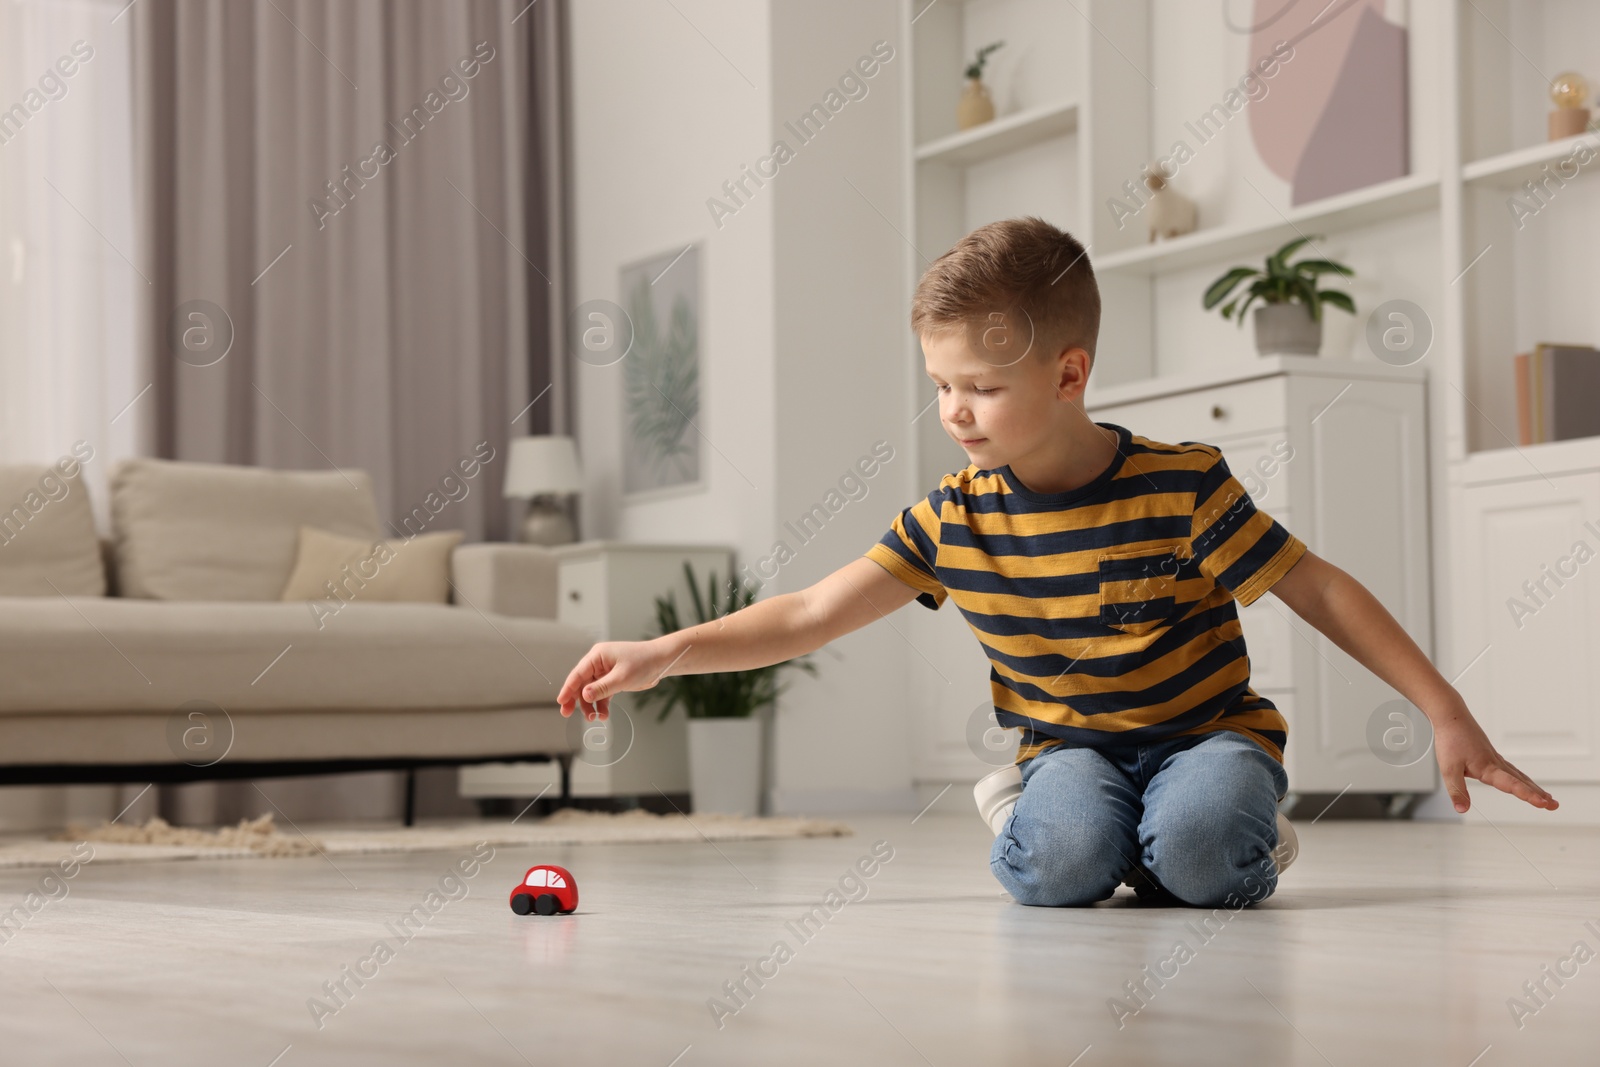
1000, 405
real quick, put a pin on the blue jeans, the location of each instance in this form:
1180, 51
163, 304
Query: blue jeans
1195, 815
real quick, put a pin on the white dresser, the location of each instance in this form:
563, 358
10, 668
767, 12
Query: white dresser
608, 588
1526, 532
1335, 450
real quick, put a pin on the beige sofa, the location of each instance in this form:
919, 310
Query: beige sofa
164, 653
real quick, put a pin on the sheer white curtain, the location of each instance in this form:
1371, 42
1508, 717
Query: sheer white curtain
69, 368
68, 352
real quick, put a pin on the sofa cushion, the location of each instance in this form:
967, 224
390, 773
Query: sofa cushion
118, 655
332, 567
209, 531
47, 539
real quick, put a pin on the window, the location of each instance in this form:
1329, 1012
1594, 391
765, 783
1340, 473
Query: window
537, 878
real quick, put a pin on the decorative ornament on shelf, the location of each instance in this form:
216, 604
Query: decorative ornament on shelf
1568, 90
1171, 213
975, 108
1291, 319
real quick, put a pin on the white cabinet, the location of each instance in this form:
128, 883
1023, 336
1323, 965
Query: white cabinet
1527, 613
1335, 450
608, 588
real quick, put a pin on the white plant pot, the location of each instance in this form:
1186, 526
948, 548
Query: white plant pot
725, 765
1287, 328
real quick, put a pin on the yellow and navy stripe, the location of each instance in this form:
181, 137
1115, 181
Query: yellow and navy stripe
1107, 611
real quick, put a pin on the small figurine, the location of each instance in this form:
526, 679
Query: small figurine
1171, 213
546, 889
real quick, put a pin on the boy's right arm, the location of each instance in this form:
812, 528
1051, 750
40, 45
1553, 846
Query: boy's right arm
769, 631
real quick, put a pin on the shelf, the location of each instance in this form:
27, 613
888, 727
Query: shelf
1574, 455
999, 136
1362, 207
1510, 169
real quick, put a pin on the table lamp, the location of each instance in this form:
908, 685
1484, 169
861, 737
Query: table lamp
545, 470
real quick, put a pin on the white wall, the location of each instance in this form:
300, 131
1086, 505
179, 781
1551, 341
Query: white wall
802, 329
661, 117
843, 740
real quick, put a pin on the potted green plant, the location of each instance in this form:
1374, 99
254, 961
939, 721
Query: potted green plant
1290, 318
975, 108
724, 732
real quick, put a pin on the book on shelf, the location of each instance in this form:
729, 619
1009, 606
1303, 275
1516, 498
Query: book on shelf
1524, 415
1558, 393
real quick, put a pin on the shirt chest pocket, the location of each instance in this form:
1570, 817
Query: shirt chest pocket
1138, 589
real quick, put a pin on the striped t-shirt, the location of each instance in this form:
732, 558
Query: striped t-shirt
1107, 611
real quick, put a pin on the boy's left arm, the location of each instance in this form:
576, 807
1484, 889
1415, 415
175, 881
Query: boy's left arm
1352, 618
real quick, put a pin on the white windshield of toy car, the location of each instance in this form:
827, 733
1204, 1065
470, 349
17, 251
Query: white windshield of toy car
556, 881
537, 877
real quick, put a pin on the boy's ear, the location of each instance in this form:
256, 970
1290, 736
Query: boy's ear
1065, 376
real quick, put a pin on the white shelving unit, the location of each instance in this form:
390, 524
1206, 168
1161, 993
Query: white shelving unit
1003, 135
1523, 614
1120, 77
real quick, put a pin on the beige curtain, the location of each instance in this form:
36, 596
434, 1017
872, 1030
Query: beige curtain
359, 191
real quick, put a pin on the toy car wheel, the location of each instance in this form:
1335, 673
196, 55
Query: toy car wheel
522, 903
546, 904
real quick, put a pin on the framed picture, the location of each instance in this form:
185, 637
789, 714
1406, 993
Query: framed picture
1337, 116
661, 445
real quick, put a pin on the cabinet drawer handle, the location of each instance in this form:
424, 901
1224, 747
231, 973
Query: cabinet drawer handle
573, 595
1217, 412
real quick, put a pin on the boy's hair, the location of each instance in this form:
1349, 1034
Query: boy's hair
1024, 269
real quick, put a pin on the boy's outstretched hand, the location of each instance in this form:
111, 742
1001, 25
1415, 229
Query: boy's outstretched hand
1352, 618
609, 668
1464, 751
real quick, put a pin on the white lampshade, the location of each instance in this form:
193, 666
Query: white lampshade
537, 465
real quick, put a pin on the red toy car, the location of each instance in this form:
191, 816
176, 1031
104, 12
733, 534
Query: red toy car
546, 889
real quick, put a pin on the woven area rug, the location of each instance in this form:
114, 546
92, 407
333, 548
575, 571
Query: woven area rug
155, 840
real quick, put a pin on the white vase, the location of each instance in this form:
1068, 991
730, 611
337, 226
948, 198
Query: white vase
1287, 328
725, 765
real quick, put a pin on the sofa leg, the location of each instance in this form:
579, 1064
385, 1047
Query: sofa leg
566, 778
411, 795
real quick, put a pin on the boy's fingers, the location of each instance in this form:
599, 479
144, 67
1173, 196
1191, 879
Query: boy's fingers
571, 696
1535, 786
1521, 788
1508, 783
1501, 776
1509, 779
602, 688
1511, 769
1457, 789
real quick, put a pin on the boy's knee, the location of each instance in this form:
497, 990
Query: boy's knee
1057, 866
1206, 863
1218, 884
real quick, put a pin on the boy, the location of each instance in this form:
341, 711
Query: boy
1099, 569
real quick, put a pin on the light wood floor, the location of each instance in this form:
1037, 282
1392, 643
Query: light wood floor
1385, 944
